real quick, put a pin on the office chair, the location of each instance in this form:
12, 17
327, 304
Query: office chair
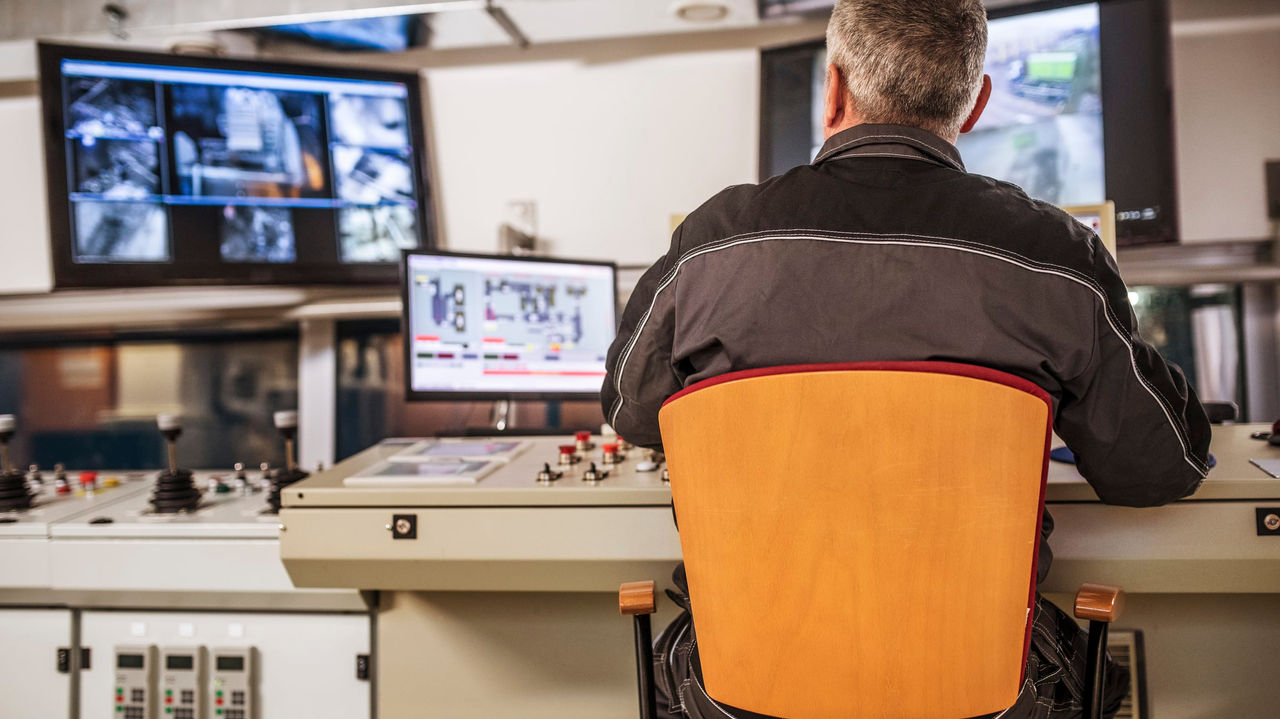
1221, 412
861, 540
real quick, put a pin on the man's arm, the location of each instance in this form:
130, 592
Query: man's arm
639, 375
1138, 431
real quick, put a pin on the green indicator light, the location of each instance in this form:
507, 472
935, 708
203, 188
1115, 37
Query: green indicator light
218, 693
168, 692
217, 711
119, 708
168, 710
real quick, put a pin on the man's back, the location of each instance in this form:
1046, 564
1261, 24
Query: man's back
885, 249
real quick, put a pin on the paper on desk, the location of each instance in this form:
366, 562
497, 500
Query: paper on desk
1270, 466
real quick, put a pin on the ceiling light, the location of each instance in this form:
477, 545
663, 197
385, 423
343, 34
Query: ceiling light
700, 10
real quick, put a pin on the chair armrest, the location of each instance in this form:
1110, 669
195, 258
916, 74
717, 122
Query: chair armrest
1099, 602
636, 598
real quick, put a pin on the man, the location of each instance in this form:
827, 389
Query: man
884, 248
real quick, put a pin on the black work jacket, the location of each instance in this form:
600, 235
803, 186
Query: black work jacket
885, 249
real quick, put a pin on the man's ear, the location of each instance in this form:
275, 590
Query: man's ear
834, 102
981, 104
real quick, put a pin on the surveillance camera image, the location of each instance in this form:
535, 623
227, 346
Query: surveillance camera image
369, 121
1042, 129
369, 177
247, 142
116, 169
257, 234
121, 232
111, 107
376, 234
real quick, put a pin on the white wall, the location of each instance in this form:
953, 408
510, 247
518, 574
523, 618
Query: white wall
24, 225
607, 150
1227, 110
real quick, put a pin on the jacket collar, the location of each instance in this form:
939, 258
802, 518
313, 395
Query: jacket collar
890, 141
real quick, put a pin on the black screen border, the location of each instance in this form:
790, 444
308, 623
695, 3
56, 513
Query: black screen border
406, 331
69, 274
1138, 121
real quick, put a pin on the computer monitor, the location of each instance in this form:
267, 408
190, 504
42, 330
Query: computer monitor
167, 169
1079, 113
480, 327
1099, 218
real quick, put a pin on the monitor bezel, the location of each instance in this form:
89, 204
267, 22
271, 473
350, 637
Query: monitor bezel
67, 273
406, 329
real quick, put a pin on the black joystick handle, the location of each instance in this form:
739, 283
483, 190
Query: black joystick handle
175, 489
7, 426
286, 423
14, 492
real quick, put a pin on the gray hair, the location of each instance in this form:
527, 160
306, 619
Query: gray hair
910, 62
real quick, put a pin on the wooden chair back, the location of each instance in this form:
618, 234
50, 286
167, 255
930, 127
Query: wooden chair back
861, 539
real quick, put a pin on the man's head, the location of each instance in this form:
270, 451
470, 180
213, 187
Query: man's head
906, 62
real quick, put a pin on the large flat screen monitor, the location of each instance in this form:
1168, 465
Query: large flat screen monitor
186, 170
1080, 110
499, 327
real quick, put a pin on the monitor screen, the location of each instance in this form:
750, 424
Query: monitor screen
1079, 113
230, 663
389, 33
491, 327
1042, 129
170, 170
179, 661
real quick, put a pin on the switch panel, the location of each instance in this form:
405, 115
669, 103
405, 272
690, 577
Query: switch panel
135, 682
182, 683
231, 694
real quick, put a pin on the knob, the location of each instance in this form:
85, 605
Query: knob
14, 492
611, 455
33, 474
175, 489
547, 474
568, 454
594, 475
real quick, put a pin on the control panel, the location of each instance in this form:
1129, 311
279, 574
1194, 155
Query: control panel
135, 682
182, 672
231, 694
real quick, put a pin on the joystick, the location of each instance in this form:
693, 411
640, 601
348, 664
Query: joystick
175, 489
14, 494
287, 423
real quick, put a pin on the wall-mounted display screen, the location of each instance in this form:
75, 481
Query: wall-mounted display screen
1080, 110
493, 327
169, 170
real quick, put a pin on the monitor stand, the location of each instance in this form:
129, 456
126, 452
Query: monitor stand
502, 422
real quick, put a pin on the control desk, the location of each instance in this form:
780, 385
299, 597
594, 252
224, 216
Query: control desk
512, 530
499, 580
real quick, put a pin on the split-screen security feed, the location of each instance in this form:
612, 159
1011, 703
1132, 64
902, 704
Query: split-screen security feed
199, 167
1042, 129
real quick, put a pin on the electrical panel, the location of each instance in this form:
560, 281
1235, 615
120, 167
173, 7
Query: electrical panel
231, 690
182, 682
134, 696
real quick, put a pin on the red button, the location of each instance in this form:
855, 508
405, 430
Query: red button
568, 449
88, 477
582, 436
610, 448
168, 700
218, 701
119, 698
64, 489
